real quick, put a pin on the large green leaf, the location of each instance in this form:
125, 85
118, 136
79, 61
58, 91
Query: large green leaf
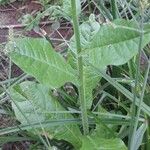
110, 44
97, 143
37, 104
87, 31
37, 58
115, 43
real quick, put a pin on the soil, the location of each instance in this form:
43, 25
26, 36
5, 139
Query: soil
16, 146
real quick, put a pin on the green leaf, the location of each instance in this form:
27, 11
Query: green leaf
37, 58
34, 101
102, 130
67, 7
115, 44
45, 124
145, 108
7, 139
3, 2
91, 79
87, 31
97, 143
37, 105
139, 136
103, 137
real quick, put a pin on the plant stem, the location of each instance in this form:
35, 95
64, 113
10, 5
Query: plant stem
103, 9
80, 69
89, 5
146, 137
136, 113
114, 9
140, 103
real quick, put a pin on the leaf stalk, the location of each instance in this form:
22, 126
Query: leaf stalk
80, 69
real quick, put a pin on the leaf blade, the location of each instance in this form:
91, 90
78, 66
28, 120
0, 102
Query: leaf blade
37, 106
37, 58
115, 44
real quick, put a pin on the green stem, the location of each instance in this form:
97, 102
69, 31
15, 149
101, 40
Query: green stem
140, 103
146, 137
100, 6
136, 114
114, 9
80, 69
131, 71
89, 5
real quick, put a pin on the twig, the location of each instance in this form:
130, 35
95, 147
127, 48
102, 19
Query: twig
23, 25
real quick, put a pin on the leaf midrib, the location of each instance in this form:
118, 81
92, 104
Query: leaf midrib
130, 39
45, 62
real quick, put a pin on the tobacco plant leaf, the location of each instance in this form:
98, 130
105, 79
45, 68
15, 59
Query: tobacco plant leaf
38, 105
115, 43
67, 7
87, 31
37, 58
110, 44
97, 143
90, 80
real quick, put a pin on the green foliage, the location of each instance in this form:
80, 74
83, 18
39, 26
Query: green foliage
102, 50
37, 57
88, 30
26, 19
96, 143
67, 7
111, 44
139, 136
2, 2
51, 69
38, 105
115, 43
55, 11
